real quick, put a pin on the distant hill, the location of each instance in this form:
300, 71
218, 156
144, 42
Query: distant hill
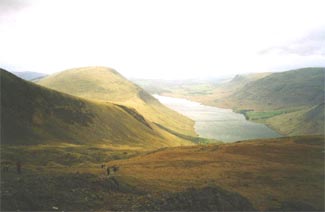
241, 80
302, 87
224, 90
204, 90
29, 75
106, 85
32, 114
291, 102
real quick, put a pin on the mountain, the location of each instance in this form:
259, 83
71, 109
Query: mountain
29, 75
291, 102
106, 85
295, 88
241, 80
32, 114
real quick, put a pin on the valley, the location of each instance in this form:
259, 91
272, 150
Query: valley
162, 106
66, 129
284, 101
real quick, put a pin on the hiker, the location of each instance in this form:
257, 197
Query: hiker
108, 171
115, 168
18, 165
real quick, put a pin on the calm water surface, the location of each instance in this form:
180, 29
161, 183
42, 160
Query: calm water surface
218, 123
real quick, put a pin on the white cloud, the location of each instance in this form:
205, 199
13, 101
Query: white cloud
167, 39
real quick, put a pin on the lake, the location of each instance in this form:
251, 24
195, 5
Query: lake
218, 123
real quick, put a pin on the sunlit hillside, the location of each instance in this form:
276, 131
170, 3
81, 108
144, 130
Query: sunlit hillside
106, 85
31, 114
285, 174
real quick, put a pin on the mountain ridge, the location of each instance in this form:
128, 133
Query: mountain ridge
106, 85
32, 114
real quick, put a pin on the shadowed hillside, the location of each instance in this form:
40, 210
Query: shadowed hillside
106, 85
32, 114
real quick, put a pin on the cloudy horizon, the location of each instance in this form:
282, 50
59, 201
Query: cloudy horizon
162, 39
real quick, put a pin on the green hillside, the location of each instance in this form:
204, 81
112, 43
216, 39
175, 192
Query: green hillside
106, 85
296, 88
290, 102
31, 114
302, 122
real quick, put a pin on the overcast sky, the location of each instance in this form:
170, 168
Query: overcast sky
162, 39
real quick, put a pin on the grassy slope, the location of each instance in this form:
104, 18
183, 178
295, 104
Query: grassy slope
284, 173
31, 114
79, 184
290, 102
106, 85
302, 122
237, 83
302, 87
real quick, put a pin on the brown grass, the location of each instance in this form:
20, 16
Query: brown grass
267, 172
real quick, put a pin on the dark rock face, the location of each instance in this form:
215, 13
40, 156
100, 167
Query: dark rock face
205, 199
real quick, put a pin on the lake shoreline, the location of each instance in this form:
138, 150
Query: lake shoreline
224, 107
218, 123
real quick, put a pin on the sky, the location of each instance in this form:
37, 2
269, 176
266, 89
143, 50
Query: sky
169, 39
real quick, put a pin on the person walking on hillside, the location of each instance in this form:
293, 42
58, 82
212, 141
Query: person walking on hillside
18, 165
107, 171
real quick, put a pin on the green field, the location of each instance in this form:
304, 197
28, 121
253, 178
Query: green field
258, 115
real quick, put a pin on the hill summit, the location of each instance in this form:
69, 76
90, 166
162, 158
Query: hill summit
107, 85
32, 114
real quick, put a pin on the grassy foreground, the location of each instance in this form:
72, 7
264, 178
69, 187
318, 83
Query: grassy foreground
274, 174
